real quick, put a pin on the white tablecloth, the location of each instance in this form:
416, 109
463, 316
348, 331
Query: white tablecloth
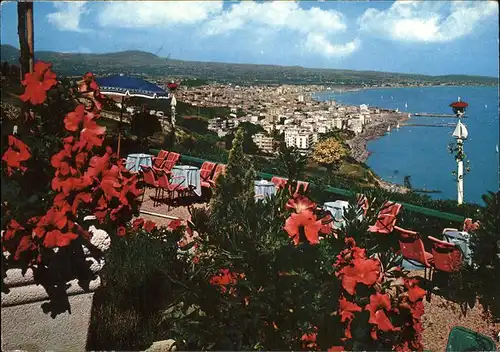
461, 239
191, 176
135, 160
264, 189
337, 210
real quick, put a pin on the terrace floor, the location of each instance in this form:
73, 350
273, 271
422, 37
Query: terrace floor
441, 314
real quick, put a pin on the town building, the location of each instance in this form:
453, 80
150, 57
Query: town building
263, 142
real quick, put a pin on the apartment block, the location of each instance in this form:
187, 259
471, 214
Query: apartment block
263, 142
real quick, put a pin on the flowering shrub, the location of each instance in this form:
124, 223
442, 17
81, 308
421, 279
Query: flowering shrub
58, 171
277, 277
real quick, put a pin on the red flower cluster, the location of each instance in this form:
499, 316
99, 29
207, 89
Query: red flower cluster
38, 83
140, 223
354, 268
226, 278
17, 153
83, 178
304, 219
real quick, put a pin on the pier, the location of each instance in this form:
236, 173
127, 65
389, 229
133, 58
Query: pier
429, 125
428, 114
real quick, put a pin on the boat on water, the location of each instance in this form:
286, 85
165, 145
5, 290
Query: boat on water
486, 106
392, 98
397, 126
397, 109
388, 129
497, 148
406, 105
409, 116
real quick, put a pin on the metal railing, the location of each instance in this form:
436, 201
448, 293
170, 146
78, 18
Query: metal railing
346, 193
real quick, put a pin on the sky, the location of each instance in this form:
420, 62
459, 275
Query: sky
425, 37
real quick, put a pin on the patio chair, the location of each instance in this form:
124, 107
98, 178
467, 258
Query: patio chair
150, 182
447, 256
164, 185
159, 160
170, 162
207, 168
386, 219
220, 169
461, 339
413, 250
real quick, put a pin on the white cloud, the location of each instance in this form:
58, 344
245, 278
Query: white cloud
278, 15
425, 21
317, 43
68, 16
140, 14
263, 22
310, 26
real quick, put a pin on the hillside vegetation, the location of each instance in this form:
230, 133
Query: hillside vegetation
144, 63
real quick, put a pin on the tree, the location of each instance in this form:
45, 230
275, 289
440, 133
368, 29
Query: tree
329, 153
407, 181
234, 191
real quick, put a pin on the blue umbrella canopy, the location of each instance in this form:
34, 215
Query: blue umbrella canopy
121, 85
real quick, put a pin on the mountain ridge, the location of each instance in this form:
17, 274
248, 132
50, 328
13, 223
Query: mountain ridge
149, 64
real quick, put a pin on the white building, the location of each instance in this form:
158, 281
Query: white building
301, 139
356, 125
263, 142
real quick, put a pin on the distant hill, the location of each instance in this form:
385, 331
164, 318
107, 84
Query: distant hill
147, 64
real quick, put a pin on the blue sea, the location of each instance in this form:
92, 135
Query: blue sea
422, 152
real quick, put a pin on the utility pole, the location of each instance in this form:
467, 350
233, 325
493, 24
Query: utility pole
30, 36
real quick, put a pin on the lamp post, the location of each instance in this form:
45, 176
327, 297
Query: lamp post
461, 134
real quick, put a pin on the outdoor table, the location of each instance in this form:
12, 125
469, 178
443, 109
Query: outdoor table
135, 160
264, 188
191, 176
461, 239
337, 210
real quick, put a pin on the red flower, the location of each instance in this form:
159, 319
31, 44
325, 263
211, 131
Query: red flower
307, 220
149, 226
26, 244
56, 238
309, 341
365, 271
53, 218
347, 309
138, 223
121, 231
79, 199
62, 161
415, 292
223, 279
92, 132
336, 349
11, 230
16, 154
38, 83
98, 164
110, 183
174, 224
378, 304
300, 203
73, 119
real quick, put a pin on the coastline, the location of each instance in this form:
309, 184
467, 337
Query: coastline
375, 129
